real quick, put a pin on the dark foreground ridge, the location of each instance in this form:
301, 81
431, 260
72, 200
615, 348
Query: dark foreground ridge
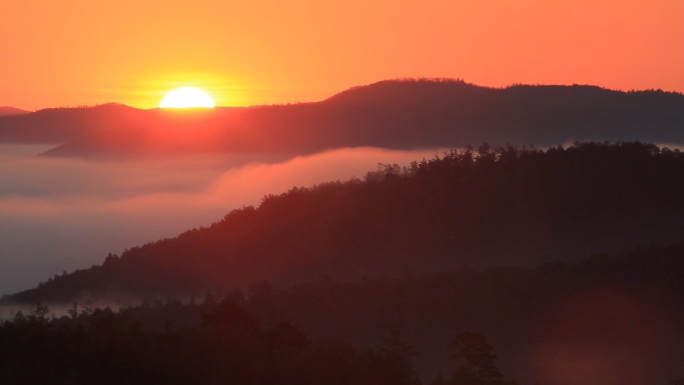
220, 343
606, 320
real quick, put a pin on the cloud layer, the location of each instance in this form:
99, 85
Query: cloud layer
62, 214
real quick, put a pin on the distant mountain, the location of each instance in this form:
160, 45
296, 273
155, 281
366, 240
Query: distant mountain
475, 207
7, 111
61, 125
390, 114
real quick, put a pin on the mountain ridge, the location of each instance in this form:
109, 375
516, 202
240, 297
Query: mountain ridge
395, 114
9, 111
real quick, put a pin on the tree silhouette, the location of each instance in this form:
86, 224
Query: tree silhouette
476, 361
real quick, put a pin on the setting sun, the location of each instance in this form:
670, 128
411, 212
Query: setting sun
187, 97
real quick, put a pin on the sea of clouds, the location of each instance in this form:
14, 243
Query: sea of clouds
60, 214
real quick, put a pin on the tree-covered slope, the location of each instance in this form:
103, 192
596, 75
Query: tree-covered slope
473, 207
604, 320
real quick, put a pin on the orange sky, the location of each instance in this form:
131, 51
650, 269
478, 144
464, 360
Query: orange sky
84, 52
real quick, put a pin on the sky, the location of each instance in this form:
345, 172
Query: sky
84, 52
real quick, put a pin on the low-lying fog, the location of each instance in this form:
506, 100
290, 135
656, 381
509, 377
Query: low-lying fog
60, 214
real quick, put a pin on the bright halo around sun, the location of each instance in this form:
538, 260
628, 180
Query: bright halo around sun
187, 97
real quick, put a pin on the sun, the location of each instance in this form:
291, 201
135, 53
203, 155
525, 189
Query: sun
187, 97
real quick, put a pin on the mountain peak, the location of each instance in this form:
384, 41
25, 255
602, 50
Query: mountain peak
400, 88
8, 111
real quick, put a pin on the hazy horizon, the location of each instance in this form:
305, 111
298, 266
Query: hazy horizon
335, 92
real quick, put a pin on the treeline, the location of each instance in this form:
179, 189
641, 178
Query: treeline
625, 308
477, 207
546, 323
225, 345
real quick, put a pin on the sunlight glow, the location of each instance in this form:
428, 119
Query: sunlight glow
187, 97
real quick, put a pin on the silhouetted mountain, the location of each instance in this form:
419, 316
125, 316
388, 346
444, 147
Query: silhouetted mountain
390, 114
475, 207
7, 111
547, 324
160, 132
459, 113
61, 125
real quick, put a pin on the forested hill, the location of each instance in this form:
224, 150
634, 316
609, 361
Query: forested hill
546, 325
60, 125
472, 207
398, 114
8, 111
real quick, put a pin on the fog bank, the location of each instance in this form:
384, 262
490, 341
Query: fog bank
61, 214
